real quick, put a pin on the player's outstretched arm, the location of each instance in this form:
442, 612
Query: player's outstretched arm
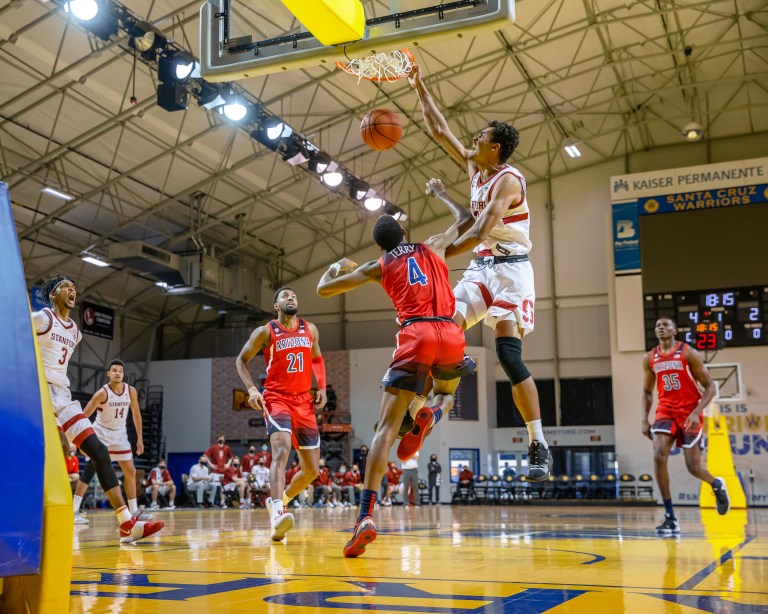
460, 213
337, 281
258, 341
99, 398
700, 372
507, 193
136, 413
436, 125
649, 380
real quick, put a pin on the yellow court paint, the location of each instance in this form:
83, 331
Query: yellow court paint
451, 559
720, 464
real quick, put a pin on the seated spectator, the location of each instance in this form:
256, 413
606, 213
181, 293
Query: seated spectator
234, 481
220, 455
508, 471
348, 483
200, 482
249, 461
466, 477
393, 481
73, 465
260, 474
306, 496
265, 454
325, 487
160, 481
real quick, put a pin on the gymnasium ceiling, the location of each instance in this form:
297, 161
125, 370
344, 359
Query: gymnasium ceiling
613, 75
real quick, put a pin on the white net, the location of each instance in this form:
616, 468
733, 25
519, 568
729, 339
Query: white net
389, 66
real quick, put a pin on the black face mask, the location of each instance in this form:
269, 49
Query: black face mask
162, 468
221, 441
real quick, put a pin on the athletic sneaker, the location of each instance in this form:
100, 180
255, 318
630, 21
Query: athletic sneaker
412, 441
139, 514
365, 533
133, 530
154, 507
721, 496
80, 520
539, 459
670, 526
280, 524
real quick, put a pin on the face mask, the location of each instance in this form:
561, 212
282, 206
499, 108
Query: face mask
162, 468
221, 441
264, 448
202, 462
251, 451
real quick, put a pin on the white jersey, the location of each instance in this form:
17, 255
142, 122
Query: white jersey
510, 235
114, 412
57, 340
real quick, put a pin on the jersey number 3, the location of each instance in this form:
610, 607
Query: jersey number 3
295, 363
415, 276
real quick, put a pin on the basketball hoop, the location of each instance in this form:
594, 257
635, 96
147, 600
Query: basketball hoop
380, 67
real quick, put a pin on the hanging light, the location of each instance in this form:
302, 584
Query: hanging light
234, 109
332, 178
358, 189
84, 10
275, 129
373, 203
175, 66
321, 162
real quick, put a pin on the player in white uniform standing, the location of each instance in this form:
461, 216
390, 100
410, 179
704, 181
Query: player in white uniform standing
112, 403
57, 336
498, 285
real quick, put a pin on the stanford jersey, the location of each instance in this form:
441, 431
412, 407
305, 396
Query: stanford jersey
57, 342
510, 235
417, 282
674, 383
289, 359
114, 412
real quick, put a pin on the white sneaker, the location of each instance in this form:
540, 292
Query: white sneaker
280, 524
154, 507
329, 504
80, 520
170, 508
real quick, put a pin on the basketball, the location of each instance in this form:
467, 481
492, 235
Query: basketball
381, 129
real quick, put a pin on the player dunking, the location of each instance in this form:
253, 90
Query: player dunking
674, 368
57, 336
498, 286
415, 277
112, 402
292, 353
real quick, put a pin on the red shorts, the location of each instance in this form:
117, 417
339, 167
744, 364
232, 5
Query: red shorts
294, 414
424, 349
672, 422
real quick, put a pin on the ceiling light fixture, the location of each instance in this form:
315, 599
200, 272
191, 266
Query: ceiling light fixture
93, 260
373, 203
57, 194
693, 131
571, 148
332, 178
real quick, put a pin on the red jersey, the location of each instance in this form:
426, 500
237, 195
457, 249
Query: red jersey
675, 384
230, 473
289, 359
248, 461
290, 473
323, 477
219, 455
393, 476
351, 478
416, 280
73, 465
158, 476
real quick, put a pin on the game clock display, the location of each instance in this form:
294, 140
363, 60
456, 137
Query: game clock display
711, 319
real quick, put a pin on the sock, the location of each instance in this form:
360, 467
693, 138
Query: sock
416, 405
367, 501
437, 412
668, 508
286, 499
76, 502
123, 515
132, 506
535, 432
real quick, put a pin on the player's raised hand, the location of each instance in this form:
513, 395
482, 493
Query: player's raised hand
414, 75
321, 398
693, 421
345, 265
255, 400
435, 187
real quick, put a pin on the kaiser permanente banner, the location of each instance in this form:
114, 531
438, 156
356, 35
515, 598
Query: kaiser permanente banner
729, 184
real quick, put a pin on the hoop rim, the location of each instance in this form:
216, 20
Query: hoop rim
405, 51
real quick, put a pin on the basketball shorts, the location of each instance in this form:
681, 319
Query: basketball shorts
69, 415
497, 292
116, 441
672, 422
163, 490
231, 487
294, 414
424, 349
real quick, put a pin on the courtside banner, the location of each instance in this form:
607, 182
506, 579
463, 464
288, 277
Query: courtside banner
626, 238
98, 321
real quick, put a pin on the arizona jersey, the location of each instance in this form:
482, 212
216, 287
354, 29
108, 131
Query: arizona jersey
416, 280
510, 235
289, 358
114, 412
675, 385
57, 342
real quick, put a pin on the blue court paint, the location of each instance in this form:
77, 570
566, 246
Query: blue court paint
710, 603
698, 577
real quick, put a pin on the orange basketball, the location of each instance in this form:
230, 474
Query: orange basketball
381, 129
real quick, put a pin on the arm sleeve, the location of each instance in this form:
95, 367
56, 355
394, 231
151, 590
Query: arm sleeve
318, 368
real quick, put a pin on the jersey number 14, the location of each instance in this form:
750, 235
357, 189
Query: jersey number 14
415, 276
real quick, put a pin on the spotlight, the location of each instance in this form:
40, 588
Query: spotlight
172, 96
275, 129
374, 203
294, 151
693, 131
210, 97
175, 66
332, 178
235, 109
146, 38
358, 189
98, 17
84, 10
321, 163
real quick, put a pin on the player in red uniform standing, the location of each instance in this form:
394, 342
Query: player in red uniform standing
671, 367
429, 342
292, 353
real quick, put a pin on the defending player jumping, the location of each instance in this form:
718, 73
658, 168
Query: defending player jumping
292, 352
674, 368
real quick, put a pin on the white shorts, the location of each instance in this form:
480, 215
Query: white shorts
497, 292
69, 415
231, 487
163, 490
116, 441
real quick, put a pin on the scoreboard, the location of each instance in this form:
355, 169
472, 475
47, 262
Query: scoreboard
711, 319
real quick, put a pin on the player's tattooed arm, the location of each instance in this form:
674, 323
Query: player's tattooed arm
258, 341
344, 279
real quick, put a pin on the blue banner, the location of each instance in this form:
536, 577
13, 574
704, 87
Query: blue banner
626, 237
36, 298
21, 417
704, 199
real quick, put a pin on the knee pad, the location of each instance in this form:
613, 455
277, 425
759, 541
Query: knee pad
89, 472
510, 353
99, 455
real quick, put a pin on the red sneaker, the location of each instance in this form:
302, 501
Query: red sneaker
411, 442
365, 533
133, 530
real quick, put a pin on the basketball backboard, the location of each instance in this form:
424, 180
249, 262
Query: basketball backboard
228, 51
727, 378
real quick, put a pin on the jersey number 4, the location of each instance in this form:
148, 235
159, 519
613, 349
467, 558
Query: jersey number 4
671, 381
295, 363
415, 276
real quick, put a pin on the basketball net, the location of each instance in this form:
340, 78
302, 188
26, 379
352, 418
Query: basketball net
380, 67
